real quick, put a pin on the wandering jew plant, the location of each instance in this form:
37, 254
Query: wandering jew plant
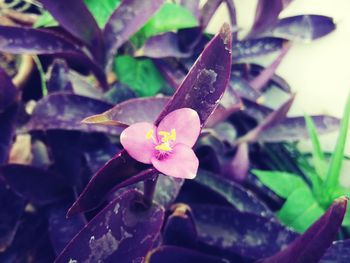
136, 96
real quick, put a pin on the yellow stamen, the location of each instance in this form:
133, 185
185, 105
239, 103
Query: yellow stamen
166, 136
163, 147
149, 134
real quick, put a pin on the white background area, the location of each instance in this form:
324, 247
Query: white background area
319, 72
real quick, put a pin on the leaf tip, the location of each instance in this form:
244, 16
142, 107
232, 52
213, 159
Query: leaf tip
225, 34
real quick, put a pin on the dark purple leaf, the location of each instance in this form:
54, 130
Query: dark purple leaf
206, 82
311, 246
180, 229
8, 91
302, 28
130, 112
121, 232
270, 121
248, 235
20, 40
242, 88
338, 252
294, 129
7, 128
259, 82
83, 88
58, 77
62, 229
120, 168
238, 167
173, 254
65, 111
208, 10
162, 46
245, 50
35, 184
241, 199
266, 14
12, 207
126, 20
82, 26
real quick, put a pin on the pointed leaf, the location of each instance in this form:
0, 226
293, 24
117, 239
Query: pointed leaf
206, 82
64, 111
130, 112
121, 232
117, 170
311, 246
82, 26
126, 20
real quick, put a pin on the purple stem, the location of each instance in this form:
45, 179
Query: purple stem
149, 189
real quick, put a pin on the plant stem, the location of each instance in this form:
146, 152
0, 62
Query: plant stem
42, 75
149, 189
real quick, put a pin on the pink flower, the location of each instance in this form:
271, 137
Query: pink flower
167, 147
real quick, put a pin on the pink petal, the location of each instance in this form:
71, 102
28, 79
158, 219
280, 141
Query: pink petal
186, 123
135, 142
181, 163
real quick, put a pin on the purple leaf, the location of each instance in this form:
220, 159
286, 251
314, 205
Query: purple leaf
241, 199
35, 184
180, 229
173, 254
266, 14
162, 46
120, 168
259, 82
126, 20
238, 167
338, 252
130, 112
270, 121
311, 246
12, 207
8, 91
294, 129
82, 26
64, 111
208, 10
121, 232
302, 28
58, 77
243, 89
243, 51
248, 235
206, 82
20, 40
170, 72
61, 229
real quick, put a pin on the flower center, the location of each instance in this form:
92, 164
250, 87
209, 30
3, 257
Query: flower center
166, 140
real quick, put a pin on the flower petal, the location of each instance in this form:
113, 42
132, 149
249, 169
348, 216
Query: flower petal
181, 163
186, 123
135, 142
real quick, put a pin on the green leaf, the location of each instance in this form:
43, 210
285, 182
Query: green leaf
139, 74
100, 9
282, 183
300, 210
169, 17
333, 173
317, 153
